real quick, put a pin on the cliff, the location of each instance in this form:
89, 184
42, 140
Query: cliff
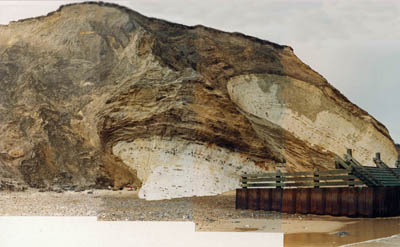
97, 95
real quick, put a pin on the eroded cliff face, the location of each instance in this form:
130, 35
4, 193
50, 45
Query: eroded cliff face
97, 95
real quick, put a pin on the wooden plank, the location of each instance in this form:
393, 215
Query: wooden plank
332, 201
390, 180
337, 177
390, 183
364, 177
304, 184
310, 173
333, 172
385, 176
276, 203
289, 201
344, 205
390, 201
252, 180
317, 201
387, 200
300, 184
241, 199
378, 170
382, 164
362, 205
376, 174
266, 199
264, 175
365, 202
396, 201
349, 202
374, 168
258, 179
340, 183
293, 179
379, 201
253, 199
272, 184
303, 201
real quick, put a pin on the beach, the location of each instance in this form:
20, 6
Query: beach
209, 213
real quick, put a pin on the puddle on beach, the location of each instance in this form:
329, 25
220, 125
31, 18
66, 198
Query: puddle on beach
355, 231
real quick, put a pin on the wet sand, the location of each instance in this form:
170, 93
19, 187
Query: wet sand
392, 241
355, 231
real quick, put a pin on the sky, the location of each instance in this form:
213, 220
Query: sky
354, 44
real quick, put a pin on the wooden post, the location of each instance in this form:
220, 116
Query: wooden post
316, 177
350, 180
377, 159
337, 165
278, 179
350, 152
398, 162
244, 181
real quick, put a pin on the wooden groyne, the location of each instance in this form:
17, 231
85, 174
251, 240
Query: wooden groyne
346, 201
350, 190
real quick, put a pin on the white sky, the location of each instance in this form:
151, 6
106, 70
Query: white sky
353, 43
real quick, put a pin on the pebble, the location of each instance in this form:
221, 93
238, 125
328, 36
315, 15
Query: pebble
342, 234
209, 220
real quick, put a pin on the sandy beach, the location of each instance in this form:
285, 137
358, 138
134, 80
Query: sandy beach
210, 213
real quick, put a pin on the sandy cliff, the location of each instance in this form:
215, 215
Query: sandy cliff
98, 95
